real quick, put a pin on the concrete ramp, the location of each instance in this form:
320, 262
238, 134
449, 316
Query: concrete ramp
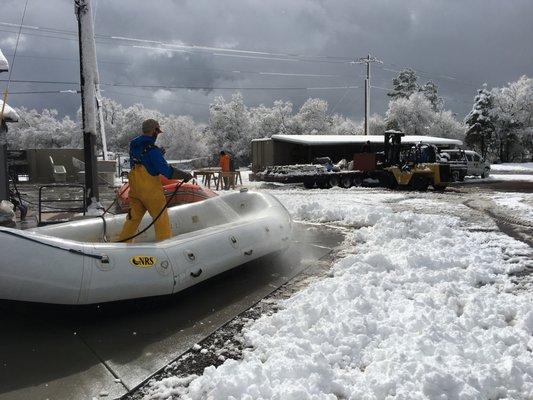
104, 351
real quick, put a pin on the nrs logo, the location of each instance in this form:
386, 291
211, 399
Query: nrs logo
143, 261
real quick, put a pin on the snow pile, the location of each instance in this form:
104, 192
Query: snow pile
4, 65
95, 208
339, 206
10, 115
412, 313
6, 211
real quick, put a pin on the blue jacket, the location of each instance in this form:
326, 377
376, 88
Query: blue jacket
152, 159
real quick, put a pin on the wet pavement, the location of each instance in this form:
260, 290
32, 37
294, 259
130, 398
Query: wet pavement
57, 352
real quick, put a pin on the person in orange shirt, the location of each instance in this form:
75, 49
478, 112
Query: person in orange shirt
225, 166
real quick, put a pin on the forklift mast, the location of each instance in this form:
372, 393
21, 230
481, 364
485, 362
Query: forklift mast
393, 146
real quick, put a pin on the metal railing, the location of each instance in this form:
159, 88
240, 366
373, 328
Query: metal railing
50, 209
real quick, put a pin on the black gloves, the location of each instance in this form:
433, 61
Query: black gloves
179, 174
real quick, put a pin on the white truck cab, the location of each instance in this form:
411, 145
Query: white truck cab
476, 165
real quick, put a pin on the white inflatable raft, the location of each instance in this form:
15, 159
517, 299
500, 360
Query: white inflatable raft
70, 263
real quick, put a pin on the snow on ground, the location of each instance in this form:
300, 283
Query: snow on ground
419, 307
519, 203
513, 167
501, 177
512, 177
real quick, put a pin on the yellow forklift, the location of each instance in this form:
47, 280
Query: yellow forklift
416, 169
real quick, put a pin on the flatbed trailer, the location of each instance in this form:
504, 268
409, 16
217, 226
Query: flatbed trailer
344, 179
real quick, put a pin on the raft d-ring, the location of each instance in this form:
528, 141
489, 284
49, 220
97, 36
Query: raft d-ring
163, 268
190, 255
197, 273
234, 241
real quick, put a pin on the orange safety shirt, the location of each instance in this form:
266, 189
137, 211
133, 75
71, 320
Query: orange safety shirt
225, 163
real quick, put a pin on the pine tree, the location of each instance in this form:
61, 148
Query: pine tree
480, 125
405, 84
431, 91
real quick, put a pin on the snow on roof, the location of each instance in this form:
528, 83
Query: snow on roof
10, 115
4, 65
314, 140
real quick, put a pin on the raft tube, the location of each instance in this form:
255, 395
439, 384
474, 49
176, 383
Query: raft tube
70, 263
188, 192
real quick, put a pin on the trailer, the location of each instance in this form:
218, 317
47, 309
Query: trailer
417, 168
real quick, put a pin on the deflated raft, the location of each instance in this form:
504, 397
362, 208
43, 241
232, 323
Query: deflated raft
70, 263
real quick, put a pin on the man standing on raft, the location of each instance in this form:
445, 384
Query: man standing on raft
146, 191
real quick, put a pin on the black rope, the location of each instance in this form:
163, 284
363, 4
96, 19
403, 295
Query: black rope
74, 251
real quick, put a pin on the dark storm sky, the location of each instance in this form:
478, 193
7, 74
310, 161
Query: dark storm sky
457, 44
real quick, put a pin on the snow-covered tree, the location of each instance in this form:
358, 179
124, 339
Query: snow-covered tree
312, 118
42, 130
267, 121
416, 116
512, 113
340, 125
413, 115
377, 125
182, 138
445, 125
431, 91
229, 128
479, 122
404, 85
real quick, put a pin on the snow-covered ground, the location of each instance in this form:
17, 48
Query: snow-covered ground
420, 305
511, 177
513, 167
516, 177
520, 204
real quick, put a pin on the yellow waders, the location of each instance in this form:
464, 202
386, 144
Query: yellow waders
146, 194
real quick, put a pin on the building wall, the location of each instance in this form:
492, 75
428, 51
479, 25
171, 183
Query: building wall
262, 154
40, 168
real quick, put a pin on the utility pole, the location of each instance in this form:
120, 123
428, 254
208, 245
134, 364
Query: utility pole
367, 60
89, 80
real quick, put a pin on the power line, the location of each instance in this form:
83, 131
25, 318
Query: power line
48, 92
41, 81
380, 87
67, 59
434, 76
232, 71
243, 53
155, 98
339, 101
188, 87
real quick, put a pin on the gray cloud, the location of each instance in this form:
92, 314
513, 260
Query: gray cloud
472, 41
